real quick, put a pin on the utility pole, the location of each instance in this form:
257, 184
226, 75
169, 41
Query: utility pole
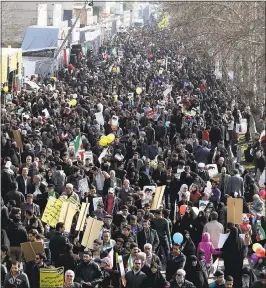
70, 30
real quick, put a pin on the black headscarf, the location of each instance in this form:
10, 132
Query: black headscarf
234, 242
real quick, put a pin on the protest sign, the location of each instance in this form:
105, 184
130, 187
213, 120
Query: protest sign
88, 155
102, 155
96, 201
157, 200
212, 170
30, 249
67, 212
99, 118
52, 277
53, 207
234, 210
17, 137
82, 216
91, 232
52, 211
203, 204
83, 186
222, 239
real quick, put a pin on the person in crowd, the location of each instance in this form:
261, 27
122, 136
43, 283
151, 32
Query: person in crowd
88, 273
177, 260
214, 228
233, 255
14, 194
261, 282
16, 277
39, 263
195, 273
155, 279
180, 280
69, 280
135, 277
58, 242
147, 235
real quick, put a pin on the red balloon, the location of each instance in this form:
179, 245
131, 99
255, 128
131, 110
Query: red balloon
260, 252
263, 194
183, 209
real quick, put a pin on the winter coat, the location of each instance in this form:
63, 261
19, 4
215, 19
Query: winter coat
89, 272
207, 247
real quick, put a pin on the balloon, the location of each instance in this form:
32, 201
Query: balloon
260, 252
103, 141
183, 209
167, 123
254, 258
5, 88
196, 210
138, 90
110, 138
115, 98
255, 246
75, 96
263, 194
178, 238
73, 102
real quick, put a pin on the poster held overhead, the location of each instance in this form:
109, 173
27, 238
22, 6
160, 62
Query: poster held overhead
157, 200
234, 210
91, 233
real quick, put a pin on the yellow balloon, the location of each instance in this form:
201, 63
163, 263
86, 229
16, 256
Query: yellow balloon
138, 90
73, 102
110, 138
115, 98
256, 246
5, 88
103, 141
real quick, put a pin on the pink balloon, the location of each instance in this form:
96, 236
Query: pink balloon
262, 194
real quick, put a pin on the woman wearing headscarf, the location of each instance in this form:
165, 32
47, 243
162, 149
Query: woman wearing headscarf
198, 225
233, 255
248, 277
188, 247
155, 279
195, 272
184, 190
250, 189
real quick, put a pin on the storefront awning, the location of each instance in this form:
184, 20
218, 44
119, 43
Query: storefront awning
40, 38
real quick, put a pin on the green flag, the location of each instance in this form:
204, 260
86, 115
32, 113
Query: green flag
77, 143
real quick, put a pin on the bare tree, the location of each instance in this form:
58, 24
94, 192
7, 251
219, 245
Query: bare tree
229, 33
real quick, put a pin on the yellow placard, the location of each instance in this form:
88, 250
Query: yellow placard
4, 69
51, 277
53, 209
12, 62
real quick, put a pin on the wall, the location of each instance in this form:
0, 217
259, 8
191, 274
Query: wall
16, 17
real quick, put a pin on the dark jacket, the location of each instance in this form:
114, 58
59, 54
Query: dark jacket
16, 234
257, 284
186, 284
34, 223
155, 280
89, 272
35, 280
173, 264
17, 196
21, 184
67, 261
136, 280
153, 239
21, 281
57, 245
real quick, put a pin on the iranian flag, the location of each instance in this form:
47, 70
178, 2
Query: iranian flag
66, 56
77, 144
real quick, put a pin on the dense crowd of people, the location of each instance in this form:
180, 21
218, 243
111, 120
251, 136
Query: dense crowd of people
174, 119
